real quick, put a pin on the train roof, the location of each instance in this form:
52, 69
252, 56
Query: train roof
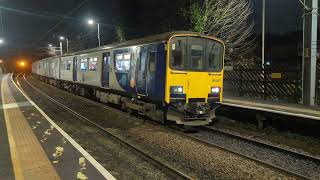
145, 40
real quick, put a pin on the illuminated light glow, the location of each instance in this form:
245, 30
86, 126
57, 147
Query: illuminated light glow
61, 38
176, 89
215, 90
90, 21
1, 61
1, 41
22, 63
50, 45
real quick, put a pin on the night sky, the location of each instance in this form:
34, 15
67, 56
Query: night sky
26, 22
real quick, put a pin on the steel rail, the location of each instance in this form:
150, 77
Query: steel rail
175, 173
258, 161
259, 143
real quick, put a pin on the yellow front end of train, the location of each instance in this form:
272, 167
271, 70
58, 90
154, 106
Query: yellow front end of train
194, 78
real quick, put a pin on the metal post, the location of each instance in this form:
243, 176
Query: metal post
303, 53
60, 48
263, 31
67, 44
98, 26
310, 53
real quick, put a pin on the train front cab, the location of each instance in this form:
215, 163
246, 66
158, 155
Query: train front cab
194, 78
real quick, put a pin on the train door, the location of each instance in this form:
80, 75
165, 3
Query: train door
151, 73
105, 69
75, 67
142, 72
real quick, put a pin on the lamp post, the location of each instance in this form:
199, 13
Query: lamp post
61, 48
263, 32
67, 41
92, 22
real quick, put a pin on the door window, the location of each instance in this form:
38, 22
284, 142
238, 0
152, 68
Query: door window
152, 62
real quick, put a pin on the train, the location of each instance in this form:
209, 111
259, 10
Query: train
174, 77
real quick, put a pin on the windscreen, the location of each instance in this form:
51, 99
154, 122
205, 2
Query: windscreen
196, 54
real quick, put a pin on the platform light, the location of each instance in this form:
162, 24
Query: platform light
90, 21
1, 41
61, 38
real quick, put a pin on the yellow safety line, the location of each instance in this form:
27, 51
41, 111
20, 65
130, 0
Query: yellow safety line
13, 152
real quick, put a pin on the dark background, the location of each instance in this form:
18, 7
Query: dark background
27, 34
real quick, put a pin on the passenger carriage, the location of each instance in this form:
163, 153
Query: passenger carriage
176, 76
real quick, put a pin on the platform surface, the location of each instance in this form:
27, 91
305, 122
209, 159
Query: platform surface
290, 109
33, 147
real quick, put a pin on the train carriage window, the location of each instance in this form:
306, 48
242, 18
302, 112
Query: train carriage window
68, 66
123, 62
93, 62
152, 61
84, 64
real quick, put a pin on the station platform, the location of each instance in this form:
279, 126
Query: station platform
289, 109
33, 147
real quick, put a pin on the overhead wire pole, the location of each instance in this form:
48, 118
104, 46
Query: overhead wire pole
263, 32
310, 51
98, 26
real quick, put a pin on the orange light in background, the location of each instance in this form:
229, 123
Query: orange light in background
1, 61
22, 63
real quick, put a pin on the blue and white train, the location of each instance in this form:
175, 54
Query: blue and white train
175, 76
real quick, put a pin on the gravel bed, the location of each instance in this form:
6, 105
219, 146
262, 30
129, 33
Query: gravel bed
291, 162
119, 161
281, 136
200, 161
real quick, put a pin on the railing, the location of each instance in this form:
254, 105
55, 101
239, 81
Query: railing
275, 83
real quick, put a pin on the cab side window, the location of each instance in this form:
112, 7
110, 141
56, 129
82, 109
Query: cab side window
178, 53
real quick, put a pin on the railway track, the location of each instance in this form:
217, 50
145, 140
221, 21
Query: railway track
174, 173
258, 161
314, 159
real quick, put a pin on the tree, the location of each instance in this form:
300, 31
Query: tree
227, 20
120, 35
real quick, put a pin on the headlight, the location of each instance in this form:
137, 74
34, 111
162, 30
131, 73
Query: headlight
176, 89
215, 90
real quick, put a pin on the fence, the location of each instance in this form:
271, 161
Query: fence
275, 83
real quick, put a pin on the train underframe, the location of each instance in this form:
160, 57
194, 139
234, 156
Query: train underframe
189, 114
